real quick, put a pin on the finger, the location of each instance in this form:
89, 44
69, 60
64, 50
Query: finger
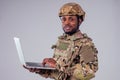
38, 71
32, 69
43, 63
45, 60
25, 67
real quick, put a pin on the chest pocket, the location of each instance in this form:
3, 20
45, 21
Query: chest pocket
62, 45
62, 49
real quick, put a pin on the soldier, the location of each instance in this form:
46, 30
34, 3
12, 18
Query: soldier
75, 56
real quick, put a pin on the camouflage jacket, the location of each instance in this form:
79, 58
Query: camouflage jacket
76, 58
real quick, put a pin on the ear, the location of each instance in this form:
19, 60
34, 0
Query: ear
80, 21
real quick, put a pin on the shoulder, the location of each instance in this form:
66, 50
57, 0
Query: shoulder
63, 36
86, 44
84, 40
88, 50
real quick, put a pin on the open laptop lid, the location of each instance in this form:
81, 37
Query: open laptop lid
19, 50
28, 64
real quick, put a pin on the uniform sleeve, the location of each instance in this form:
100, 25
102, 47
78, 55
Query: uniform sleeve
88, 55
88, 62
87, 65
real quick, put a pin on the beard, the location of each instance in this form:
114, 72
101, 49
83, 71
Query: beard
67, 29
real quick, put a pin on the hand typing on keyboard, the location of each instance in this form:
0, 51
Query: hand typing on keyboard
49, 61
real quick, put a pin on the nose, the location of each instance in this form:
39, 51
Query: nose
66, 22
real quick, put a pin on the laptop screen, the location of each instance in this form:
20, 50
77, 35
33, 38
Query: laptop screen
19, 50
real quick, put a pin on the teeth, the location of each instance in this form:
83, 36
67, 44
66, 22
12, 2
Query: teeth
67, 27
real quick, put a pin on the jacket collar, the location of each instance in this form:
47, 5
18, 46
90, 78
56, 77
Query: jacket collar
74, 36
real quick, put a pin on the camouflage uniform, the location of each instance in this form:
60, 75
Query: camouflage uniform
76, 58
75, 54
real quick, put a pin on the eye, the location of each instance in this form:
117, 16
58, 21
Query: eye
71, 19
63, 19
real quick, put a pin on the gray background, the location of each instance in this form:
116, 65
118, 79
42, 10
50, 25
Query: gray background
37, 23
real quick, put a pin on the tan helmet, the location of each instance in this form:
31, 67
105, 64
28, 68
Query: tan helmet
71, 9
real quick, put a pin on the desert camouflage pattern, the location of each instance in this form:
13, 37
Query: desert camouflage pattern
76, 58
71, 9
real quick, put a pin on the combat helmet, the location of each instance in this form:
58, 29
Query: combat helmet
71, 9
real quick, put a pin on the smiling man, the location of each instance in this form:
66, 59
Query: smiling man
75, 56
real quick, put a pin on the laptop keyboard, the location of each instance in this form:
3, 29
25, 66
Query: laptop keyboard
34, 64
38, 65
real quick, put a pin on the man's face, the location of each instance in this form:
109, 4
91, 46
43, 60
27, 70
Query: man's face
70, 24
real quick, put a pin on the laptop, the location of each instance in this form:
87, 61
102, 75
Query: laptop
28, 64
